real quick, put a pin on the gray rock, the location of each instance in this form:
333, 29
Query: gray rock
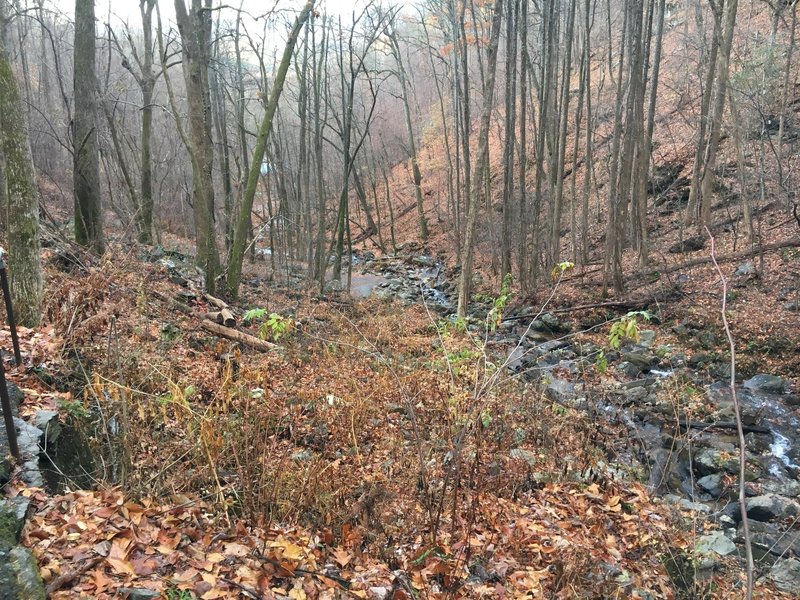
13, 513
746, 268
19, 576
642, 360
560, 390
685, 504
647, 338
16, 397
715, 542
771, 384
550, 323
770, 538
712, 484
792, 306
789, 488
303, 455
709, 461
785, 574
771, 506
524, 455
628, 369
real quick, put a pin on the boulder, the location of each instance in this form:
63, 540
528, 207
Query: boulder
771, 384
19, 576
12, 519
560, 390
549, 323
770, 538
711, 484
716, 543
771, 506
642, 360
15, 396
785, 574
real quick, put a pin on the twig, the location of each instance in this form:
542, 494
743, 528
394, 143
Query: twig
739, 428
298, 571
244, 589
70, 576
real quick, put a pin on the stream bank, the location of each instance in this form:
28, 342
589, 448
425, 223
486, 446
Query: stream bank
677, 408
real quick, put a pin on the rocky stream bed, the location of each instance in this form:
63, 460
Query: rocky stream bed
690, 460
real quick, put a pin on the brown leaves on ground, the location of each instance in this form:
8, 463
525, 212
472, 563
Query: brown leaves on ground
332, 469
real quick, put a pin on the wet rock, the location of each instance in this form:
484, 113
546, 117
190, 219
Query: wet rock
771, 384
715, 542
19, 576
710, 461
785, 574
771, 506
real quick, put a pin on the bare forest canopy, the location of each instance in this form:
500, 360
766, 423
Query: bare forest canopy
511, 135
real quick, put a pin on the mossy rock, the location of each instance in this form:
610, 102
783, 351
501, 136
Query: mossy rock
19, 575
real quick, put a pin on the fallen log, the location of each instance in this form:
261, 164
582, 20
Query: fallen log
220, 304
237, 336
221, 317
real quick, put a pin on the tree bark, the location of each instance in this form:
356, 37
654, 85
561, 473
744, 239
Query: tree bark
240, 232
86, 170
468, 249
22, 195
194, 25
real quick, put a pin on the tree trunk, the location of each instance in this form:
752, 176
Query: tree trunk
468, 249
717, 111
240, 232
22, 195
412, 145
86, 170
194, 25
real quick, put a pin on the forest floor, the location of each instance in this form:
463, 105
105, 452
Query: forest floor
379, 451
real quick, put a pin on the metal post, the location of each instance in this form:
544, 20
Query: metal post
12, 324
5, 402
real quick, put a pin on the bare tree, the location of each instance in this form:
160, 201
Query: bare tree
86, 170
21, 197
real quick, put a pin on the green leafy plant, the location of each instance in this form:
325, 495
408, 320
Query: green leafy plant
626, 328
275, 327
561, 268
175, 594
254, 314
601, 362
75, 409
495, 316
